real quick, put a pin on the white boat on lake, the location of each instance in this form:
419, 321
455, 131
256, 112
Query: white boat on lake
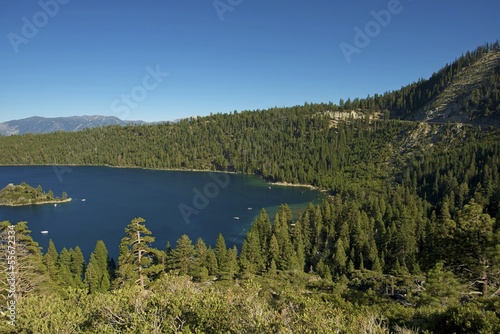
45, 232
236, 218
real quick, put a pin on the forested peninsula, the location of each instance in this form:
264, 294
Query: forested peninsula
24, 194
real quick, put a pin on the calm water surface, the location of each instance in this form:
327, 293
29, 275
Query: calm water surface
173, 203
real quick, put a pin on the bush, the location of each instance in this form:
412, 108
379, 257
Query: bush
470, 318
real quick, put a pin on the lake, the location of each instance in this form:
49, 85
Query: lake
105, 200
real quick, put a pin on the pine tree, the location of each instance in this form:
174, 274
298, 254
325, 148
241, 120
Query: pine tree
138, 262
64, 268
68, 279
230, 264
475, 249
29, 272
441, 287
271, 271
220, 251
51, 259
93, 276
183, 255
298, 244
339, 257
377, 266
126, 273
324, 270
263, 226
77, 265
198, 267
97, 276
287, 258
101, 256
274, 250
250, 258
65, 258
211, 262
301, 257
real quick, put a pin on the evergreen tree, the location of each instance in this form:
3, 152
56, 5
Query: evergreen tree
138, 262
250, 258
125, 273
51, 260
271, 271
441, 287
95, 280
65, 258
263, 226
287, 258
28, 270
64, 268
68, 279
475, 237
211, 262
77, 262
183, 255
230, 264
199, 267
220, 251
97, 276
339, 257
101, 256
274, 250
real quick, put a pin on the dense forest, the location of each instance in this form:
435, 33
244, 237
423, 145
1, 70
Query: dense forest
408, 241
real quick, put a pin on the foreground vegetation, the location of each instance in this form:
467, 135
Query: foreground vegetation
274, 284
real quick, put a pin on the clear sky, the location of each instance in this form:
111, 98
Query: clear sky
157, 60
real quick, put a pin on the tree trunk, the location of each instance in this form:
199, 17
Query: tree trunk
139, 256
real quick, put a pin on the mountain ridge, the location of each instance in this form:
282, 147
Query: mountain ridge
466, 90
38, 124
454, 102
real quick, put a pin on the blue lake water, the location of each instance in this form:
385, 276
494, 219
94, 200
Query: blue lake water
173, 203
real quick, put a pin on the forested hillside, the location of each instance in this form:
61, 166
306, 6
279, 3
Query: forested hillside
408, 241
466, 91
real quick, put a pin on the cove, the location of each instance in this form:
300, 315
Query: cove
105, 200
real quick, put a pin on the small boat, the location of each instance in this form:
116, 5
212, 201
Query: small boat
249, 208
236, 218
269, 187
45, 232
83, 199
55, 204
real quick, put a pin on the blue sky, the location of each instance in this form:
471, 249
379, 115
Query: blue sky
157, 60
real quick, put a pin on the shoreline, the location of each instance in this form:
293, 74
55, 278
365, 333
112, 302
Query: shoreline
284, 184
127, 167
326, 192
40, 203
298, 185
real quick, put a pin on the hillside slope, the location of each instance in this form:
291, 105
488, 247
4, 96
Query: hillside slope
461, 100
465, 91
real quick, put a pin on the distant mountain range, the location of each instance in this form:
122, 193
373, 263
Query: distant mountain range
38, 124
